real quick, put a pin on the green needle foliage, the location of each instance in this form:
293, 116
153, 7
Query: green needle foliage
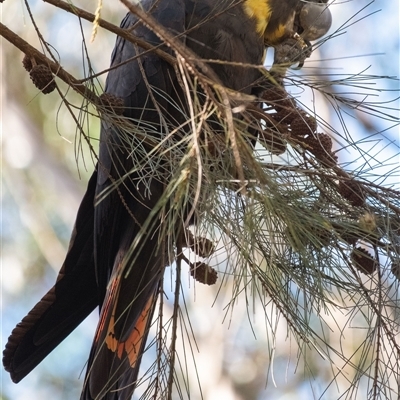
287, 227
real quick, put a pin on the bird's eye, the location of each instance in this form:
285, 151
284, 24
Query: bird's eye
316, 20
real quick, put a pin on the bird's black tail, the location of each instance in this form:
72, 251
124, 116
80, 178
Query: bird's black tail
64, 306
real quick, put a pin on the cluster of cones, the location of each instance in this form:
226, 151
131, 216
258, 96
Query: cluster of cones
202, 247
40, 74
288, 123
291, 124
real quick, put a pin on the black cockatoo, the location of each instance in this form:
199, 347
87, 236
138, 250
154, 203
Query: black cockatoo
117, 254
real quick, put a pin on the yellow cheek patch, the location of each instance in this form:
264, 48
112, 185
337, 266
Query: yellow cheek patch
277, 34
260, 11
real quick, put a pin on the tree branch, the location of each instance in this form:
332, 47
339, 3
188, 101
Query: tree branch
40, 58
112, 28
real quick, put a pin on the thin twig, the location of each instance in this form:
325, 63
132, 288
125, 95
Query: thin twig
112, 28
56, 69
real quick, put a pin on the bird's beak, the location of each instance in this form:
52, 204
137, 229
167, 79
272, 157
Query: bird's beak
315, 20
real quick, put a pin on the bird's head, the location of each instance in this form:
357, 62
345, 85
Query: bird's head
313, 19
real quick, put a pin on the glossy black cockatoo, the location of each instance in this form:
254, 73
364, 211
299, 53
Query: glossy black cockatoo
117, 254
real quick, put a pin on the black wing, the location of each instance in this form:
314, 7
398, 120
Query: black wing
128, 249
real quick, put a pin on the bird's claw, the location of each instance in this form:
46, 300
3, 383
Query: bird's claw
292, 51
